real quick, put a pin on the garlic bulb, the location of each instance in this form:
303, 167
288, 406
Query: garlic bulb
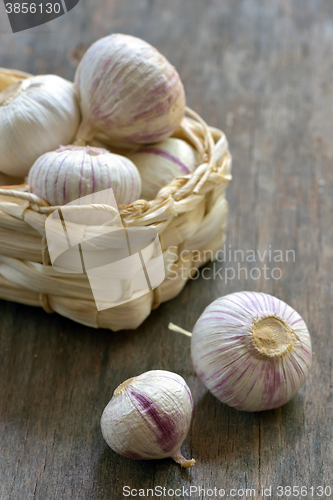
36, 116
149, 416
129, 93
251, 350
161, 163
71, 172
8, 180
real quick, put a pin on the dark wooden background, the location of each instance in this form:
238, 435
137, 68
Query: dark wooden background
263, 72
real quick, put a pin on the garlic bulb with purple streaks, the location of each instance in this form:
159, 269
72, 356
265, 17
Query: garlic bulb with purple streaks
159, 164
251, 350
72, 172
149, 416
36, 115
129, 93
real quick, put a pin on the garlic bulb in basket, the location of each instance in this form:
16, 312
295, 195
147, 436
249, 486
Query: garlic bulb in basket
129, 93
36, 116
149, 416
159, 164
251, 350
71, 172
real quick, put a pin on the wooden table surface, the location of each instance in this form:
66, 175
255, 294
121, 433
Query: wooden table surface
263, 72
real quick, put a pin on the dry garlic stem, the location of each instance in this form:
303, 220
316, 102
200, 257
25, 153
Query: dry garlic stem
36, 116
149, 416
129, 93
251, 350
160, 163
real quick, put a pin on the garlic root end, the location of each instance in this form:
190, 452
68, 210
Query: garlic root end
188, 463
183, 462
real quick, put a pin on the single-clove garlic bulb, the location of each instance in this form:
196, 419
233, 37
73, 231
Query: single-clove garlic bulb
129, 93
149, 416
251, 350
72, 172
159, 164
36, 115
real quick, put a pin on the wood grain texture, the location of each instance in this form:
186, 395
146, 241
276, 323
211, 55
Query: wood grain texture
263, 72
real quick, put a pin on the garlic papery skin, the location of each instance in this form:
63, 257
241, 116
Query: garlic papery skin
159, 164
149, 417
72, 172
129, 93
36, 116
251, 350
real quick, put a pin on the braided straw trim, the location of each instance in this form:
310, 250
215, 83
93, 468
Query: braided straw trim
189, 215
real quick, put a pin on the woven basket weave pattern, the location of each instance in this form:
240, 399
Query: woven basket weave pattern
189, 215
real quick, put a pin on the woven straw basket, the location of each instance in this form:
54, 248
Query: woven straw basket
189, 215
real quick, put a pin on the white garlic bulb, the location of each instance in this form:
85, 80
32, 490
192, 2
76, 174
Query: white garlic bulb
72, 172
149, 416
129, 93
36, 116
251, 350
159, 164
